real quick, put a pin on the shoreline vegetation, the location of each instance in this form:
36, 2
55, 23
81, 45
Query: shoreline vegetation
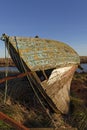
3, 62
83, 59
22, 105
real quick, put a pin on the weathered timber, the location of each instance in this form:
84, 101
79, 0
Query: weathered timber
52, 64
83, 59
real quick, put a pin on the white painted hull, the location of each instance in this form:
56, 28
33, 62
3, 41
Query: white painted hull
58, 87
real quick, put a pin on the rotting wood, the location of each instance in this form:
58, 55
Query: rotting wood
35, 54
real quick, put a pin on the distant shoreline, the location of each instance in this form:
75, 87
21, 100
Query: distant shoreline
3, 62
83, 59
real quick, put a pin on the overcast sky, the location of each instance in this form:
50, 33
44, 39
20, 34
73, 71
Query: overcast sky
62, 20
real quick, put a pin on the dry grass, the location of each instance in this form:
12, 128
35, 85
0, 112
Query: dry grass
23, 107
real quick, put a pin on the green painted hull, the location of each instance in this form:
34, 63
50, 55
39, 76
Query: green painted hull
41, 57
40, 54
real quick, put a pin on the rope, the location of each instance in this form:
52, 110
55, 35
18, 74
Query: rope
34, 88
6, 71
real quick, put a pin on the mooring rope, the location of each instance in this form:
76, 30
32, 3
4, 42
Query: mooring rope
6, 69
34, 88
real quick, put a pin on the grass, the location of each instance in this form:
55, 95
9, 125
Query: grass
36, 117
80, 76
78, 111
4, 126
78, 115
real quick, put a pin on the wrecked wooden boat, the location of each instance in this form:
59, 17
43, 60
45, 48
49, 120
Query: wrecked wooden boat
51, 65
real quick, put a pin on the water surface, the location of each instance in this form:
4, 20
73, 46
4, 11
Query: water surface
10, 69
84, 68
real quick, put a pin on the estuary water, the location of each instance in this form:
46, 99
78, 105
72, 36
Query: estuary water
84, 68
10, 69
14, 69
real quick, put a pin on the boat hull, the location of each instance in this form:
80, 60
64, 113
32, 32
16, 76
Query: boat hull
58, 87
40, 55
